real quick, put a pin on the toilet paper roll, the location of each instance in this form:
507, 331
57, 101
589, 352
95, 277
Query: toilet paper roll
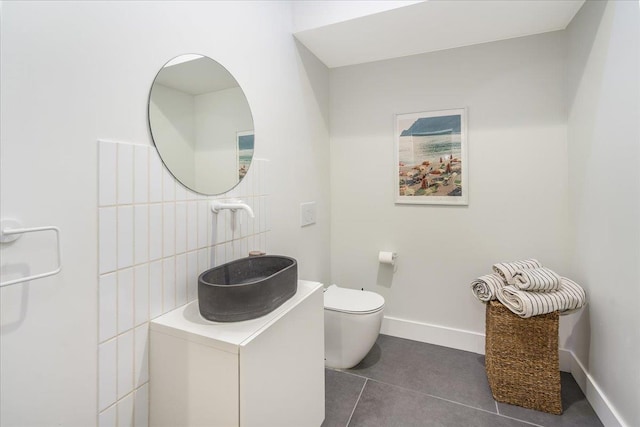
387, 258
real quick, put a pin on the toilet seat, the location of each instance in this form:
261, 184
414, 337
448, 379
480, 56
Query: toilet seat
352, 301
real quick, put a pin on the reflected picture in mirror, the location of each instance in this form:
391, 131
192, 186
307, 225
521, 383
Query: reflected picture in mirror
201, 124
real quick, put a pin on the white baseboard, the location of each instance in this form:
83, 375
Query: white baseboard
461, 339
433, 334
596, 397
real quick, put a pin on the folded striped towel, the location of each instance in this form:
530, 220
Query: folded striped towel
486, 287
537, 279
508, 269
570, 296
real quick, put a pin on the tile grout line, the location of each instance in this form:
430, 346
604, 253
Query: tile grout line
513, 418
435, 397
357, 401
522, 421
349, 373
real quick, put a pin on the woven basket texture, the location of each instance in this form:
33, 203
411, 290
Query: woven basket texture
521, 359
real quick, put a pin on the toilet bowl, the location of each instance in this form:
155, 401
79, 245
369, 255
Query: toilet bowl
352, 321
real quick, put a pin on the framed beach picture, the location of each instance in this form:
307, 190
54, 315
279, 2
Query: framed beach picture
431, 158
245, 152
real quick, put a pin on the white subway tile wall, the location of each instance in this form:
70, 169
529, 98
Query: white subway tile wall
154, 238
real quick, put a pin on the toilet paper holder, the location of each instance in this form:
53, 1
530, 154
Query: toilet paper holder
388, 258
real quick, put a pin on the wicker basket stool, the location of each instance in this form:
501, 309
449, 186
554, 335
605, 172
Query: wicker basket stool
521, 359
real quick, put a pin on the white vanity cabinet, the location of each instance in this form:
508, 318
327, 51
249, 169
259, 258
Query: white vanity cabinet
257, 373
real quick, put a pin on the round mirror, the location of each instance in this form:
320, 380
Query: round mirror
201, 124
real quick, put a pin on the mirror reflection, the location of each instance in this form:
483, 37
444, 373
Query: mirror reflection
201, 124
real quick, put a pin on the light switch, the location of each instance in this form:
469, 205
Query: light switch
307, 213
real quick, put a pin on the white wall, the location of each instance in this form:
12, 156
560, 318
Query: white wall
76, 72
604, 199
172, 114
515, 94
220, 116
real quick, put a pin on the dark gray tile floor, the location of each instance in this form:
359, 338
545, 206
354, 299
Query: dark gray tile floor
406, 383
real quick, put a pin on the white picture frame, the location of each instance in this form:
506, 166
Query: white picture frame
431, 158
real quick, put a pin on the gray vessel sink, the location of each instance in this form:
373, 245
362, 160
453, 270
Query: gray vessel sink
247, 288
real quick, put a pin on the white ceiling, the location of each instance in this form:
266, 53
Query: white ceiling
434, 25
309, 14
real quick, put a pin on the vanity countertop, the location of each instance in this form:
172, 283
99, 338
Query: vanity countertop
186, 322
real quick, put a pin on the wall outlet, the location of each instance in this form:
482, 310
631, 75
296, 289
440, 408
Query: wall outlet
307, 213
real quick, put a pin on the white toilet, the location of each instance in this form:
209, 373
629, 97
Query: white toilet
352, 321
